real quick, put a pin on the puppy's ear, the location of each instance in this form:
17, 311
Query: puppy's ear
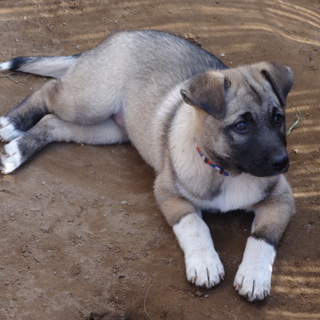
280, 78
207, 92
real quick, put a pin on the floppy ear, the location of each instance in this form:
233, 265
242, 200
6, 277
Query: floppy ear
280, 78
207, 92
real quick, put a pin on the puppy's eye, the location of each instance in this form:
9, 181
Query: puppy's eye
278, 118
241, 126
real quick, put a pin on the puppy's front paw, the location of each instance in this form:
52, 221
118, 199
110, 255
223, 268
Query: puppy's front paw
204, 269
252, 283
253, 279
11, 157
203, 264
8, 131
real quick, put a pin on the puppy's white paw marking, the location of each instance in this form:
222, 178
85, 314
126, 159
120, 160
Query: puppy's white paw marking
203, 265
253, 279
10, 157
7, 130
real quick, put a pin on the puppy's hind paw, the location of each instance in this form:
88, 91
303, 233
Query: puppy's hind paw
8, 131
10, 157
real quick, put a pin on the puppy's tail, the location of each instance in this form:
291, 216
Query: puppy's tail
54, 67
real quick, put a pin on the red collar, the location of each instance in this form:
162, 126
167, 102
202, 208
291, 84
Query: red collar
207, 161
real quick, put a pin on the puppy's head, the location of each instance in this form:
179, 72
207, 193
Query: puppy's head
244, 127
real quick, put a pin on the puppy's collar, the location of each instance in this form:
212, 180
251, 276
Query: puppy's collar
207, 161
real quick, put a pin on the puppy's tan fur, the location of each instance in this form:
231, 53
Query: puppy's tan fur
166, 96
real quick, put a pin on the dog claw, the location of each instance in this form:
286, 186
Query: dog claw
221, 276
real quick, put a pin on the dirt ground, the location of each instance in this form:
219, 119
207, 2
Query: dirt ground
81, 235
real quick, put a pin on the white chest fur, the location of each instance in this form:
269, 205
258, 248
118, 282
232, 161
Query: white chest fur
240, 192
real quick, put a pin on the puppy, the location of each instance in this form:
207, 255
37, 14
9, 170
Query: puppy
215, 136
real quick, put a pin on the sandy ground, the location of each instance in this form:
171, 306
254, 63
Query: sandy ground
81, 235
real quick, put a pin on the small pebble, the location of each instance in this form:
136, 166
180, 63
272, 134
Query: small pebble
199, 293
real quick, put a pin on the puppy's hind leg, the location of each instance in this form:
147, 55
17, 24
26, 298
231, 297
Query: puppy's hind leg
27, 113
53, 129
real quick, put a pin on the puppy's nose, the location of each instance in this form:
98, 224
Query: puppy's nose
280, 162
